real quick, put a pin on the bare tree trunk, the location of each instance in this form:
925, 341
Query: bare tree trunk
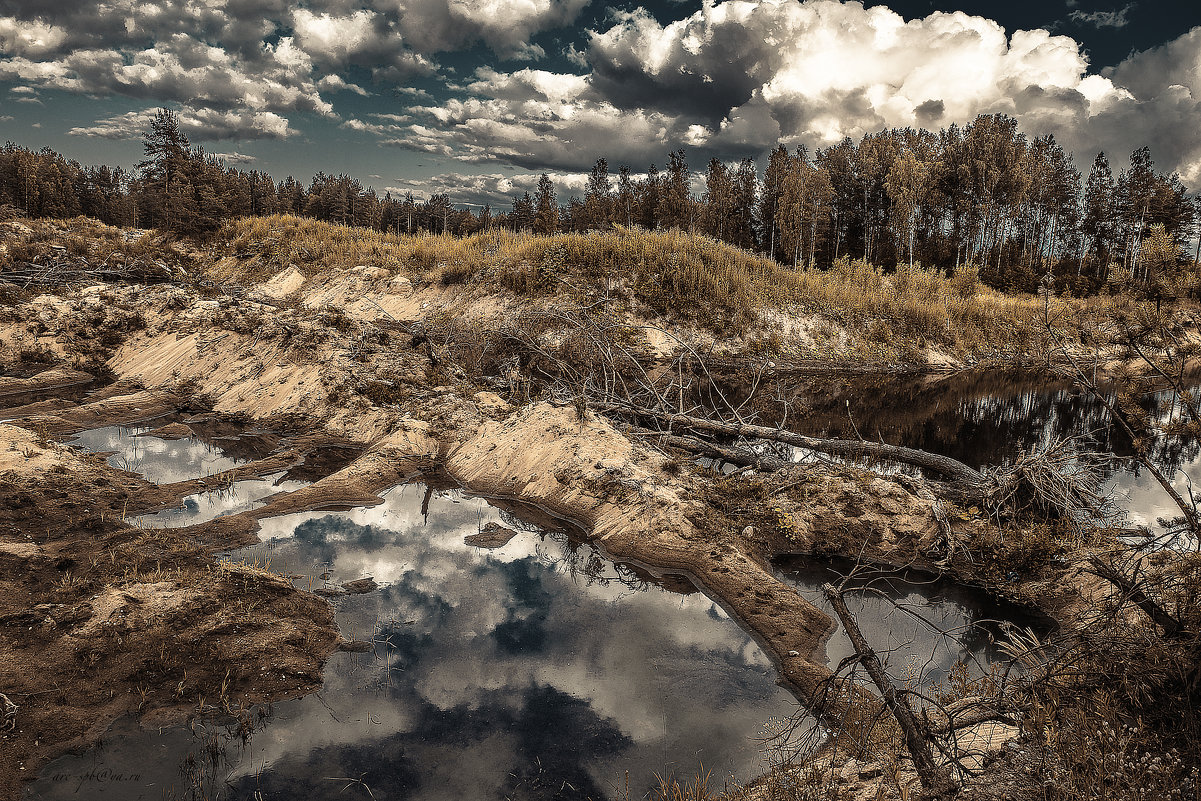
742, 457
935, 778
1171, 626
945, 466
838, 237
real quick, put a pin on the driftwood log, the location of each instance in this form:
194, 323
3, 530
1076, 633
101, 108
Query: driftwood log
935, 778
966, 479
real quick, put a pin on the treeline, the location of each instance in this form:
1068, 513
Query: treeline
186, 190
981, 196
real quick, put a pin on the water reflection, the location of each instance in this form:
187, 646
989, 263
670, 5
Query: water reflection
532, 670
239, 496
160, 461
987, 419
920, 627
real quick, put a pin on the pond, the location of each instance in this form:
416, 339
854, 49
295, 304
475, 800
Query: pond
921, 626
515, 671
213, 448
158, 460
987, 419
537, 668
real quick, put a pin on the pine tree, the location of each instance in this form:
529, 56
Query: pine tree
523, 213
742, 214
598, 197
546, 214
769, 200
719, 199
626, 196
675, 208
166, 149
1097, 220
1159, 257
1134, 192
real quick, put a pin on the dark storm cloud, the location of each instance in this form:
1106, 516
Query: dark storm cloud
631, 71
1164, 114
732, 78
930, 113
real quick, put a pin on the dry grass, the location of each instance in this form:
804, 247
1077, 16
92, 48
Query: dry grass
853, 308
265, 245
85, 239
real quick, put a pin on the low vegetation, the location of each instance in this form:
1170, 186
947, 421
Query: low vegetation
851, 309
83, 241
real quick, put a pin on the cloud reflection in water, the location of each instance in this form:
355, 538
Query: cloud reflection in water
528, 671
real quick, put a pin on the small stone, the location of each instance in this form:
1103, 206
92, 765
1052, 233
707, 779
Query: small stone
492, 535
361, 586
794, 653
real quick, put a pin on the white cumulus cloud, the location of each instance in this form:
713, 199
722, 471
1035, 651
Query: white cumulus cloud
735, 77
198, 124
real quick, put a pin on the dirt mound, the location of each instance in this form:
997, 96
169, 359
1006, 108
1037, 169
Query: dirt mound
586, 471
58, 378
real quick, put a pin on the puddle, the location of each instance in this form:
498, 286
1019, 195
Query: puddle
987, 419
158, 460
240, 496
919, 626
531, 670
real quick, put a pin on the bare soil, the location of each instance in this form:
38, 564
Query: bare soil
99, 619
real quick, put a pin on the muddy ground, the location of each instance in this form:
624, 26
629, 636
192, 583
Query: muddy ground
99, 619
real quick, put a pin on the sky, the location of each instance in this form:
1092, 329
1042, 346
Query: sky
476, 98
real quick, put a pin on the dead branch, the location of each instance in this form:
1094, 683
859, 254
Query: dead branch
1188, 508
935, 778
952, 469
1133, 590
743, 457
1061, 479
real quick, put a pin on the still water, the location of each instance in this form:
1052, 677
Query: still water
166, 461
533, 670
921, 626
158, 460
987, 419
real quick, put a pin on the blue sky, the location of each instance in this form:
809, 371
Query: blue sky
477, 97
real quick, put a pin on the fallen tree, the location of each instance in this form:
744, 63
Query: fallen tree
960, 475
